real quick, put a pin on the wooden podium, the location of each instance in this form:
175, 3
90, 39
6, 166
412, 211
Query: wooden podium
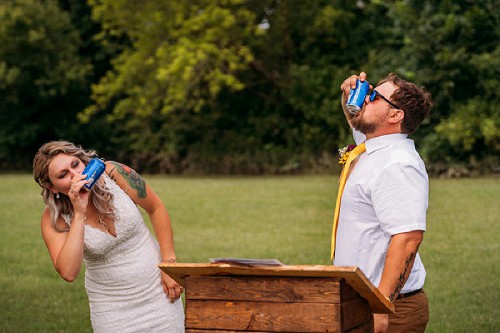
233, 298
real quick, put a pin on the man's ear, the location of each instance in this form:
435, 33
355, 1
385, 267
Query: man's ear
396, 116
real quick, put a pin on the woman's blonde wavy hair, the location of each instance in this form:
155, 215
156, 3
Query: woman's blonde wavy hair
101, 195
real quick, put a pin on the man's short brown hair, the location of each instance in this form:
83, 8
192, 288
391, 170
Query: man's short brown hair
413, 100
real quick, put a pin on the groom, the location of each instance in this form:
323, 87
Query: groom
383, 207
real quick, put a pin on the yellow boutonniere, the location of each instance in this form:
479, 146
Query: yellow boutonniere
344, 153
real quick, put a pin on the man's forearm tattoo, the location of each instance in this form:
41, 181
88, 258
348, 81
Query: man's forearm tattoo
133, 179
402, 281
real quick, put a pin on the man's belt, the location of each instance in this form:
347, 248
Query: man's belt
411, 293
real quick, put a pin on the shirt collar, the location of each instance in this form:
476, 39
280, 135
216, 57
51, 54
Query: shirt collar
383, 141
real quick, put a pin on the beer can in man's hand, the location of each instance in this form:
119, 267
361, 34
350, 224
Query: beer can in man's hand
93, 170
357, 97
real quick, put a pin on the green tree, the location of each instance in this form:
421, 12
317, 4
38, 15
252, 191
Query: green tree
182, 55
253, 86
452, 47
41, 78
97, 49
253, 80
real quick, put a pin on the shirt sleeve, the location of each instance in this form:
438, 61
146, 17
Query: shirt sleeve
400, 197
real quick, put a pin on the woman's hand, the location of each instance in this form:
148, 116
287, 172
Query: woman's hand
79, 197
172, 289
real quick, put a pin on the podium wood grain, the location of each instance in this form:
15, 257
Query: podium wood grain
228, 298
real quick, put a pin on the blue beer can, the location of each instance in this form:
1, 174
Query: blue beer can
93, 170
357, 97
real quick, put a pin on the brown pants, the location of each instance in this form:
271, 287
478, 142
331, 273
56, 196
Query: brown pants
412, 314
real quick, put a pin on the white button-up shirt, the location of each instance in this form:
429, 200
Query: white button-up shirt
385, 194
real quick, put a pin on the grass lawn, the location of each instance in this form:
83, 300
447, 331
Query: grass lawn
288, 218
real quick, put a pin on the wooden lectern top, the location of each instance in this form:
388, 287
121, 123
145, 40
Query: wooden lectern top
352, 275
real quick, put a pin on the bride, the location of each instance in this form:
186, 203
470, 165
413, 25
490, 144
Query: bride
104, 229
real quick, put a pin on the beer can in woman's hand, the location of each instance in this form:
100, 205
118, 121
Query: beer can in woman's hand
93, 171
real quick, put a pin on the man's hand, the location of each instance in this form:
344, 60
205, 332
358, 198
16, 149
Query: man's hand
345, 87
350, 83
380, 322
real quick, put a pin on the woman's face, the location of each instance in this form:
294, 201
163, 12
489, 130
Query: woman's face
62, 169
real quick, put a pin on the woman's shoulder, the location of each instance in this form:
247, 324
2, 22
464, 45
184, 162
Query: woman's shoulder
46, 215
125, 177
46, 221
128, 179
117, 170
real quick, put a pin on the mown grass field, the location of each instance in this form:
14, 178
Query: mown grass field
288, 218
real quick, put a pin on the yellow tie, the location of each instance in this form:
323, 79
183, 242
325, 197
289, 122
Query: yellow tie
343, 178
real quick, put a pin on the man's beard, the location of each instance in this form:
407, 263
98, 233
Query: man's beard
364, 127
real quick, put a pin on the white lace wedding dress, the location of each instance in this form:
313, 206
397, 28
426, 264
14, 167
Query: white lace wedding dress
122, 278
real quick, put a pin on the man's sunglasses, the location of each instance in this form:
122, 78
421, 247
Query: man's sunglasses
373, 96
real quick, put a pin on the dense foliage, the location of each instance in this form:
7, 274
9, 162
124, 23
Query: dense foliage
42, 77
241, 86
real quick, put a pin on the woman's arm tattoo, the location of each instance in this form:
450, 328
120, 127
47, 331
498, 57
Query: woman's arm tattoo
133, 178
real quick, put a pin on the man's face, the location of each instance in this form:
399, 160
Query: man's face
374, 114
